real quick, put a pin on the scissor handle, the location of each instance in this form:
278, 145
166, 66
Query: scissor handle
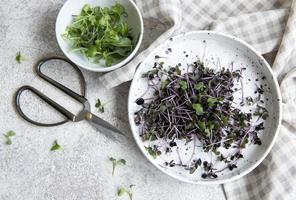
61, 109
80, 98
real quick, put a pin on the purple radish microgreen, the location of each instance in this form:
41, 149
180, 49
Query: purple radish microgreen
198, 104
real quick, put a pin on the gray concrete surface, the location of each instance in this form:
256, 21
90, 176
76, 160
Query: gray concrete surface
28, 169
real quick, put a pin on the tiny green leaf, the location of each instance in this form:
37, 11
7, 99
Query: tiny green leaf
153, 152
121, 192
224, 119
100, 106
183, 85
8, 141
198, 108
202, 125
132, 185
101, 109
244, 142
212, 102
178, 71
207, 131
199, 86
55, 146
19, 58
112, 159
211, 125
8, 135
164, 84
128, 191
121, 162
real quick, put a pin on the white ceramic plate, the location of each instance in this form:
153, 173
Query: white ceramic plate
73, 7
215, 50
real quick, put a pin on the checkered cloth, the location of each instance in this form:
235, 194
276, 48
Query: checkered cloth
268, 25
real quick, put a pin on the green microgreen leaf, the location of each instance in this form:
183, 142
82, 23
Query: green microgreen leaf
8, 136
150, 74
121, 192
212, 102
115, 163
101, 33
164, 84
199, 86
211, 125
126, 191
244, 142
202, 125
224, 119
183, 85
207, 131
178, 71
8, 141
154, 152
10, 133
261, 112
100, 106
19, 58
198, 108
55, 146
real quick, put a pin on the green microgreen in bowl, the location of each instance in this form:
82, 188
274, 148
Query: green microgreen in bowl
101, 33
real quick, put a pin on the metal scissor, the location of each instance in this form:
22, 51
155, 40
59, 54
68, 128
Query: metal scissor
85, 114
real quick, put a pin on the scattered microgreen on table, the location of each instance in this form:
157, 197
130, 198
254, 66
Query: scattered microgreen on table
198, 106
101, 34
8, 136
19, 57
100, 106
55, 146
126, 191
115, 163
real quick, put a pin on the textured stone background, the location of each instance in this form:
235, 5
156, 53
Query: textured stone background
28, 169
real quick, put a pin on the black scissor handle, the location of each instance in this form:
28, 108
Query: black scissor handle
80, 98
62, 110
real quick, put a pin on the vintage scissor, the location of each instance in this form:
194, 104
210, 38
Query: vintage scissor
84, 114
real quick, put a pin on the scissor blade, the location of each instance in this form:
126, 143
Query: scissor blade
103, 124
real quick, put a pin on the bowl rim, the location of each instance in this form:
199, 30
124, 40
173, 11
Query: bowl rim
267, 150
100, 69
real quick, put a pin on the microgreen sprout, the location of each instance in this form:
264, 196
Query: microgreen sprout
128, 191
8, 136
19, 57
115, 163
55, 146
100, 106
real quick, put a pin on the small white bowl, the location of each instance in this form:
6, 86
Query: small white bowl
73, 7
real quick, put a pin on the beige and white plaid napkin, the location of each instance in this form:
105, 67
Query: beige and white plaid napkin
268, 25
